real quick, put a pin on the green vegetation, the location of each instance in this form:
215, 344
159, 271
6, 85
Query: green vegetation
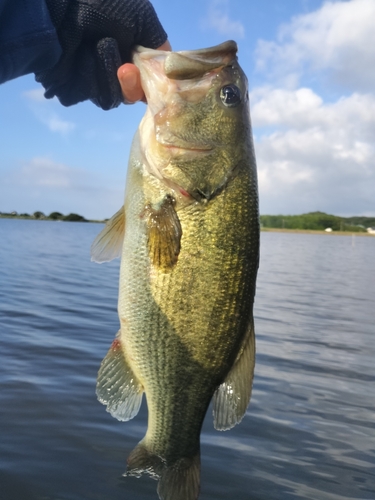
74, 218
317, 221
362, 221
56, 216
40, 216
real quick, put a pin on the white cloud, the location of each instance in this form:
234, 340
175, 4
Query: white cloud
339, 38
279, 106
56, 124
44, 172
317, 156
42, 183
35, 95
44, 111
303, 108
218, 19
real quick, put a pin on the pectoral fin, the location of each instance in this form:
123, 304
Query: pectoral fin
233, 395
108, 244
117, 387
164, 234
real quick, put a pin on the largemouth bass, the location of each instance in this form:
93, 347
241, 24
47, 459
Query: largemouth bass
188, 236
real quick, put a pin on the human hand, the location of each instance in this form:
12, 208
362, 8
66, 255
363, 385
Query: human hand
130, 79
96, 37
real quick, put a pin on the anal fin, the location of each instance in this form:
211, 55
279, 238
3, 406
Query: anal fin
232, 397
117, 387
108, 244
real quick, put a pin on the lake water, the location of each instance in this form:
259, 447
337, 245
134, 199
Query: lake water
309, 432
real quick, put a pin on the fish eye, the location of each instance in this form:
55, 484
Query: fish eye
230, 95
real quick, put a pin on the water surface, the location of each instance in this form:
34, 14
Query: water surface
309, 432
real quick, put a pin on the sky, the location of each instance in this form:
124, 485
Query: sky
311, 71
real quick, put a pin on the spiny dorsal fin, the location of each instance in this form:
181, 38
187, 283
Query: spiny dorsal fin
117, 387
108, 244
164, 234
232, 397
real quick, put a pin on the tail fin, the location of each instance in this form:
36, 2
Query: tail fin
179, 481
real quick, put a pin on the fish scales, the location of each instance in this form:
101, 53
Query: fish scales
162, 311
188, 271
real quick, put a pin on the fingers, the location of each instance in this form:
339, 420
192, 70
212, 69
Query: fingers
130, 79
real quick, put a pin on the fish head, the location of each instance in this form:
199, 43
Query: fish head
196, 131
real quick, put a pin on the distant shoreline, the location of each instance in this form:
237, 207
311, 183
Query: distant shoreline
313, 231
263, 229
20, 217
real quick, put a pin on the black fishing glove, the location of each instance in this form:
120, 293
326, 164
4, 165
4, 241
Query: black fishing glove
96, 37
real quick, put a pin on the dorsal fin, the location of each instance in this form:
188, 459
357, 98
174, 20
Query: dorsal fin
108, 244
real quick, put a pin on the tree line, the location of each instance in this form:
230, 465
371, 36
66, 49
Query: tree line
40, 215
318, 221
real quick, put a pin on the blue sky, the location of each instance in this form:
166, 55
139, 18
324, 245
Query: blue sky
311, 71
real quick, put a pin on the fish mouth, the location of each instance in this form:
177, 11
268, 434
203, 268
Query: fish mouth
174, 148
179, 146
